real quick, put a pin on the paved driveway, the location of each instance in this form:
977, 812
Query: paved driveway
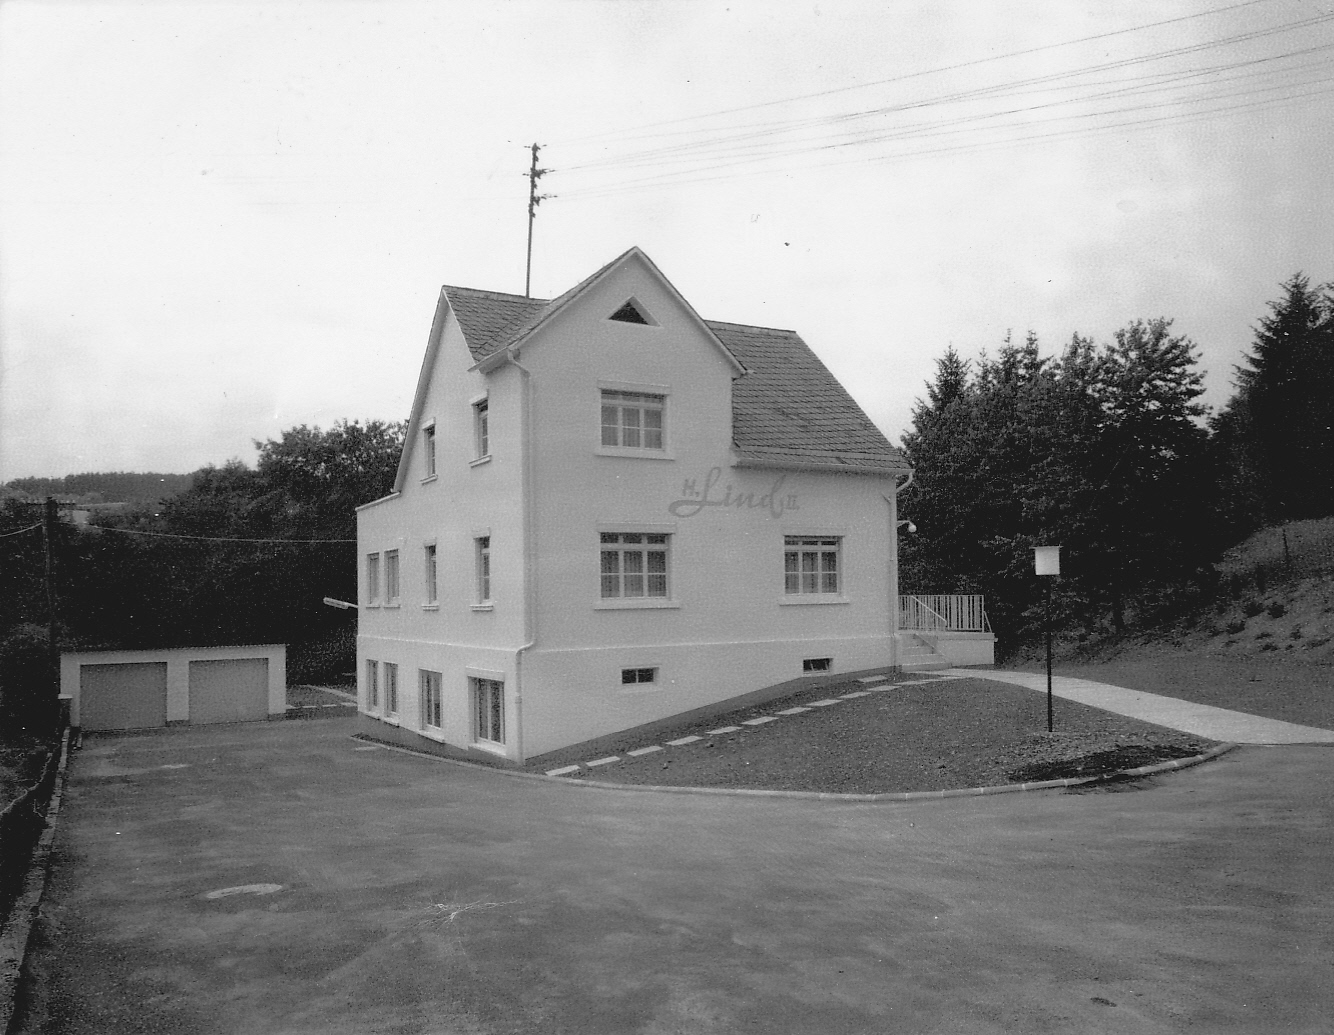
419, 896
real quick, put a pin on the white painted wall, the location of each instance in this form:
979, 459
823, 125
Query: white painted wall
728, 627
178, 672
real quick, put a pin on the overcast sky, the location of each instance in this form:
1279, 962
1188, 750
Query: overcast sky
218, 221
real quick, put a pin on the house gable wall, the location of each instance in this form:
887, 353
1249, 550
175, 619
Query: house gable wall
468, 497
727, 627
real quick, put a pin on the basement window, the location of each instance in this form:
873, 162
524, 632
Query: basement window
638, 676
816, 664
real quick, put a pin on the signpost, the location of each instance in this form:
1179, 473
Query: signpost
1047, 561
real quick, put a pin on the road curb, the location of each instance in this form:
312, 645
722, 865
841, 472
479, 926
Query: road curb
890, 796
14, 938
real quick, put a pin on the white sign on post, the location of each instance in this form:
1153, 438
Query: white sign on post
1047, 560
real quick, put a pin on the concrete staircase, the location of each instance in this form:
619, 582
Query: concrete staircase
918, 654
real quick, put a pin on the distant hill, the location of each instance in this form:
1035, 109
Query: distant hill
139, 490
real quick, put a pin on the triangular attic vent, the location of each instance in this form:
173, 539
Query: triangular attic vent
630, 313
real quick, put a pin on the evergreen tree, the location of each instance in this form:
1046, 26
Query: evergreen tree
1098, 450
1284, 407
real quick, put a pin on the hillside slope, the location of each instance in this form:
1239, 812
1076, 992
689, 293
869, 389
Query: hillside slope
1275, 597
1265, 645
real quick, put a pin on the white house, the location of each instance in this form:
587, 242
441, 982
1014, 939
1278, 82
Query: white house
610, 511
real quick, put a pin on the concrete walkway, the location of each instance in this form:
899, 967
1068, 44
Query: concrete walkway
1201, 719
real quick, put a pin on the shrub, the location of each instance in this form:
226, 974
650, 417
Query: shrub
1252, 607
1236, 625
329, 659
28, 700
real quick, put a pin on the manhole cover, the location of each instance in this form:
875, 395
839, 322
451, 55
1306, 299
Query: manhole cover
245, 889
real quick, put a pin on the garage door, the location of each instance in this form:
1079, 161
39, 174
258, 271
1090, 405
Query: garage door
229, 691
123, 697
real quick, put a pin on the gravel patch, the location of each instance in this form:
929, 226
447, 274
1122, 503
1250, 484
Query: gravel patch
912, 736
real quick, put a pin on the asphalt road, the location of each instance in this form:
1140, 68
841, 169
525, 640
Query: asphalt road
419, 896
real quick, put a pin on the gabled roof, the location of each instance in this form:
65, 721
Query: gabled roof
490, 320
497, 331
788, 410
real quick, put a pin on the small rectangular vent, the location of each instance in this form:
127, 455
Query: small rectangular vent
816, 664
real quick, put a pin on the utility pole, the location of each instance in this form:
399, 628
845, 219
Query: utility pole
534, 199
49, 519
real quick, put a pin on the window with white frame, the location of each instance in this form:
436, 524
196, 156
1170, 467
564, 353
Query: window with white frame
481, 429
432, 708
390, 689
811, 564
634, 564
488, 698
372, 578
372, 685
428, 451
633, 420
391, 576
430, 574
638, 676
483, 550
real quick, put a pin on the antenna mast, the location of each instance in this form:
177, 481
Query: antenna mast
534, 199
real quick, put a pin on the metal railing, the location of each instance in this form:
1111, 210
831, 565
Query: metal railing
943, 612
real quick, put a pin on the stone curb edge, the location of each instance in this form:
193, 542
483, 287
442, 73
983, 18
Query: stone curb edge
14, 940
751, 792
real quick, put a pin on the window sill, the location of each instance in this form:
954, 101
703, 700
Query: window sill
430, 607
392, 720
480, 460
634, 604
433, 733
374, 603
482, 607
490, 747
430, 478
635, 454
801, 600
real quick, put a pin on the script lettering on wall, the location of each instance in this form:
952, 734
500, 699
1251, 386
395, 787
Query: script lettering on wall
694, 498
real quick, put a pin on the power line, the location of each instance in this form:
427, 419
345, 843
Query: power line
930, 71
5, 535
967, 147
711, 156
724, 143
960, 148
218, 539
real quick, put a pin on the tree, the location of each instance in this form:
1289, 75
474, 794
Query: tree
243, 555
1097, 449
1283, 412
1147, 455
222, 501
314, 480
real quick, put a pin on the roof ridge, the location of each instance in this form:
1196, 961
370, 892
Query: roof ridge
495, 294
751, 327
